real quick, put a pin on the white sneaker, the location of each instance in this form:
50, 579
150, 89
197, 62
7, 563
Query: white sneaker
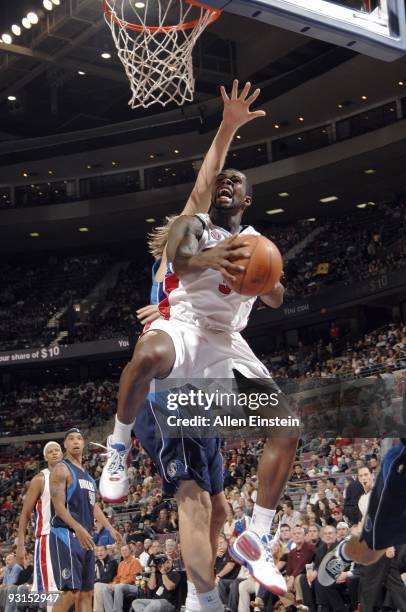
256, 555
332, 565
114, 483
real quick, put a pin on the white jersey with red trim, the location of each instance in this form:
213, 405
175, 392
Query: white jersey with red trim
204, 298
42, 516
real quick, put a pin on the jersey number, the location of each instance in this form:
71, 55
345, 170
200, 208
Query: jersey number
223, 288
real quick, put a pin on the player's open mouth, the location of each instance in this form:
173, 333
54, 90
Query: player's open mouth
224, 194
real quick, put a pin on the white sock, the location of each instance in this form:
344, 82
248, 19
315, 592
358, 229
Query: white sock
122, 433
261, 520
210, 601
192, 603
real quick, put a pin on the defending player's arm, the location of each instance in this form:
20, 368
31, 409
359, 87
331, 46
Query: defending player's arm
274, 298
236, 113
183, 245
59, 480
103, 520
32, 496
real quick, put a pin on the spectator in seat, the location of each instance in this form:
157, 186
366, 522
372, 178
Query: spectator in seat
290, 516
313, 536
10, 578
342, 530
101, 536
228, 528
242, 521
163, 525
224, 566
308, 580
163, 585
298, 474
366, 479
336, 516
298, 558
23, 584
352, 494
113, 593
144, 556
285, 537
105, 571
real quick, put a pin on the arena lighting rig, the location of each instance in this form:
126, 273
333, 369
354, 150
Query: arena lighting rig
31, 19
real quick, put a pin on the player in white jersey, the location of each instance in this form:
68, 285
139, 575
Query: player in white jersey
38, 500
200, 338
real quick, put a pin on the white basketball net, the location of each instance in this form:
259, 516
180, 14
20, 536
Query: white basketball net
157, 57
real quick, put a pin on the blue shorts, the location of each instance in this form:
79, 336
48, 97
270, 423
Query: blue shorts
178, 459
72, 565
385, 521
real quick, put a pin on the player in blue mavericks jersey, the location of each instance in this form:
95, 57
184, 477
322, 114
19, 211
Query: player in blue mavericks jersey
73, 510
385, 520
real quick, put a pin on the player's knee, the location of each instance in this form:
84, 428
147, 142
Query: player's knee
194, 504
145, 364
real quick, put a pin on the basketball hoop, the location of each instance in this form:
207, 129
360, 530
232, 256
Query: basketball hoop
157, 56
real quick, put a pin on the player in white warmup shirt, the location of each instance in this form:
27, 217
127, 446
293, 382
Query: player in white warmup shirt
201, 335
38, 500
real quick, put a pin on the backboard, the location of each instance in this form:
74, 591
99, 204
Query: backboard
372, 27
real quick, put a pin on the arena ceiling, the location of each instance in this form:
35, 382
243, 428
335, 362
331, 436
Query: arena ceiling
42, 70
299, 77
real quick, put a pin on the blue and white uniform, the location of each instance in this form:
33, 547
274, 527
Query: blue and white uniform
73, 566
385, 521
177, 459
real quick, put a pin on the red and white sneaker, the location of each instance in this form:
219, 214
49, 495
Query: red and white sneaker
255, 553
114, 483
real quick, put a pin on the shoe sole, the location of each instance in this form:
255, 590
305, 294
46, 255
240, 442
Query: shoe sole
118, 500
252, 549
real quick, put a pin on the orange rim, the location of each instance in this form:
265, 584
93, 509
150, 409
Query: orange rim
188, 25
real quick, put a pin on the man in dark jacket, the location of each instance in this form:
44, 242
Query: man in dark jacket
105, 570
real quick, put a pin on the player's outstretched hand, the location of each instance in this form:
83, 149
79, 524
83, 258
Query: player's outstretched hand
84, 537
222, 256
147, 314
237, 107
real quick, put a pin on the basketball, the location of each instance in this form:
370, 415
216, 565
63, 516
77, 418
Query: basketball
262, 270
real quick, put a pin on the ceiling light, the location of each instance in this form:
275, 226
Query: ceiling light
47, 4
401, 83
328, 199
56, 2
238, 136
88, 166
11, 98
363, 205
301, 118
50, 171
139, 4
81, 72
83, 229
369, 171
7, 38
105, 55
26, 23
113, 163
311, 219
176, 151
25, 173
364, 98
283, 194
275, 211
34, 234
276, 126
150, 220
32, 17
340, 106
16, 29
152, 156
